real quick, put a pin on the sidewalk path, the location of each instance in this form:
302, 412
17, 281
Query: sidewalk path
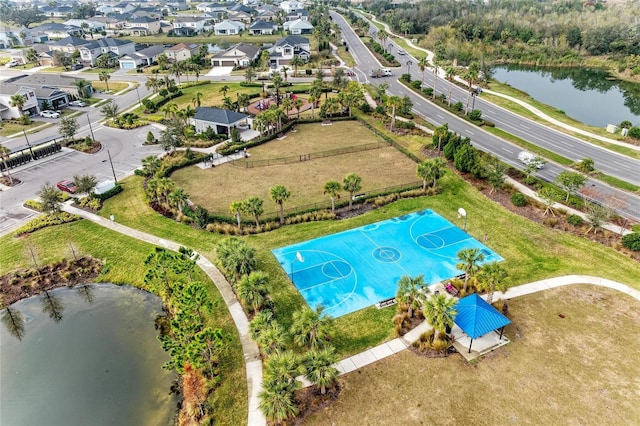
253, 363
394, 346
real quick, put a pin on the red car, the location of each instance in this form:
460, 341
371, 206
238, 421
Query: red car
67, 186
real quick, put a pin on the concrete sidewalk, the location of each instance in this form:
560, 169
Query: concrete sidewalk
252, 359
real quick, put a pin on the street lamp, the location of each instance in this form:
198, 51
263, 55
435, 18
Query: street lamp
91, 129
298, 258
138, 94
409, 63
463, 213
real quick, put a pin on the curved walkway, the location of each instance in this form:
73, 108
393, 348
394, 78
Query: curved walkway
522, 103
399, 344
252, 358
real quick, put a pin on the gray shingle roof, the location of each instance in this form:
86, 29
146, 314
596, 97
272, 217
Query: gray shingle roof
217, 115
292, 40
261, 25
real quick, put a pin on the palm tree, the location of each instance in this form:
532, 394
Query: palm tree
423, 63
469, 260
332, 188
224, 89
252, 290
153, 83
150, 165
287, 104
383, 36
178, 198
243, 101
410, 292
277, 406
176, 69
491, 278
319, 369
253, 207
105, 76
440, 132
237, 208
296, 62
298, 104
471, 76
197, 99
163, 61
312, 100
236, 257
18, 101
439, 310
351, 183
451, 75
393, 102
436, 67
276, 80
4, 154
280, 194
82, 85
285, 70
311, 329
272, 339
171, 109
260, 322
277, 399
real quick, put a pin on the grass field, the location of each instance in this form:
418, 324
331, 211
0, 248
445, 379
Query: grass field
379, 168
571, 370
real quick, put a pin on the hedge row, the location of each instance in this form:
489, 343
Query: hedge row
45, 221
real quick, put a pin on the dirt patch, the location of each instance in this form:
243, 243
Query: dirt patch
310, 400
29, 282
4, 180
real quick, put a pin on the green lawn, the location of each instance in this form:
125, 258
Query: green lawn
8, 129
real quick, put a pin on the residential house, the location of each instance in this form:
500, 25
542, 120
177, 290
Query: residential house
227, 27
182, 52
56, 11
64, 83
112, 24
290, 6
148, 12
11, 35
240, 55
67, 45
300, 14
216, 10
260, 27
7, 90
286, 48
267, 12
141, 58
190, 25
141, 26
240, 16
54, 31
115, 47
220, 120
123, 8
92, 26
298, 27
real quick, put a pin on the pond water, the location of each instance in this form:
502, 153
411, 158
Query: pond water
87, 356
587, 95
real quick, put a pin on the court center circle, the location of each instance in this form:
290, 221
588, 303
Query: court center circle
430, 241
386, 254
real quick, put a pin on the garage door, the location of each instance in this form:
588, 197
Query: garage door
227, 64
127, 65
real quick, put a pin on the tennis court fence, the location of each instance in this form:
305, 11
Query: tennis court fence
248, 163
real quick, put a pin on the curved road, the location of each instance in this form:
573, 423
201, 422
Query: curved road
608, 161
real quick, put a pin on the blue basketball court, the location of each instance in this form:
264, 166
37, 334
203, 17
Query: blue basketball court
354, 269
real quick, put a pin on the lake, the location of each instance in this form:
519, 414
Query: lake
89, 356
587, 95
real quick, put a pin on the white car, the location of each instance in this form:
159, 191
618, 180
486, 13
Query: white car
77, 104
47, 113
528, 158
12, 64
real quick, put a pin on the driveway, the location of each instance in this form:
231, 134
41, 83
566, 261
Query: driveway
219, 71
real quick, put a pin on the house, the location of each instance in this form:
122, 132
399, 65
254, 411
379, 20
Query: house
220, 120
11, 35
68, 45
112, 24
56, 31
227, 27
182, 51
56, 11
92, 26
300, 14
63, 83
148, 12
267, 12
141, 58
260, 27
240, 16
123, 8
298, 27
290, 6
190, 25
115, 47
286, 48
240, 55
141, 26
7, 90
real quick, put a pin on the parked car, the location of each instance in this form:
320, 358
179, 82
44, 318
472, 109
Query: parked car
67, 186
76, 67
12, 63
401, 52
47, 113
77, 104
527, 158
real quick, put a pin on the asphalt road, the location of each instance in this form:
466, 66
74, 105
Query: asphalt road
609, 162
